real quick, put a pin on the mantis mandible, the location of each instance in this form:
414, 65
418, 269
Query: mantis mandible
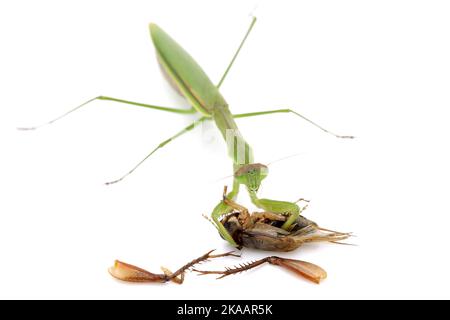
204, 97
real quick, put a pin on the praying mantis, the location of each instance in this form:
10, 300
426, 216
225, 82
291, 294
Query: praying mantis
205, 99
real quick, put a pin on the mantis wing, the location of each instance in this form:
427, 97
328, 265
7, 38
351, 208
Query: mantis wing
185, 72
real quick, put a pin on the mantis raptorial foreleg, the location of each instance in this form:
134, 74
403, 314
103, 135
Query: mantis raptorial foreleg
221, 209
289, 209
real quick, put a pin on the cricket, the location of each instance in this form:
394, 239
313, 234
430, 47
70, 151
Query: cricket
280, 226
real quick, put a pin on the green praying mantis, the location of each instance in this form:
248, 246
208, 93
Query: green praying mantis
204, 97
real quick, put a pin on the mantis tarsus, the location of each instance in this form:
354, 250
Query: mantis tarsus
191, 81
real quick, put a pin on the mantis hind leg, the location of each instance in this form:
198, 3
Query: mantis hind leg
167, 109
221, 209
261, 113
252, 23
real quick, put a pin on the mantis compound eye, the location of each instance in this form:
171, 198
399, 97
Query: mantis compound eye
251, 175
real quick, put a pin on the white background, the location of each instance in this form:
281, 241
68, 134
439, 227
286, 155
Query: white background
377, 69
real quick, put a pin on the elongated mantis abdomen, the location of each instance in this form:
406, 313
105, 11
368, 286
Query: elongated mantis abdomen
201, 93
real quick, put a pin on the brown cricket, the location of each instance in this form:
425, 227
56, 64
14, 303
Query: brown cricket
259, 230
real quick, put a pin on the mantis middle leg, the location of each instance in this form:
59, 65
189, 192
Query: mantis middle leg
242, 115
162, 144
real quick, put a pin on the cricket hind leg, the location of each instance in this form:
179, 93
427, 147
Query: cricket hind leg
131, 273
304, 269
160, 108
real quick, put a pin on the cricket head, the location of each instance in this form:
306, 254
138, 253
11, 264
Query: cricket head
251, 175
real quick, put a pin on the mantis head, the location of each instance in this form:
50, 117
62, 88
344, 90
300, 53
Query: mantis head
251, 175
